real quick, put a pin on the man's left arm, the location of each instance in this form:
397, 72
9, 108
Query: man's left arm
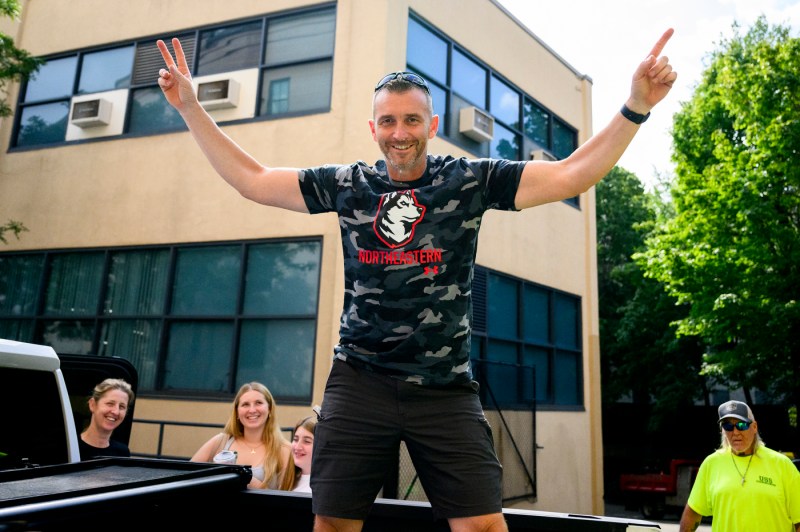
543, 182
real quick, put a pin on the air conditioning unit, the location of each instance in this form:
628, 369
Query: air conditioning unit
219, 94
91, 113
476, 124
542, 155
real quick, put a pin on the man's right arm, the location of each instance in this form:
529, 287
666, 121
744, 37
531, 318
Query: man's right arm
690, 520
276, 187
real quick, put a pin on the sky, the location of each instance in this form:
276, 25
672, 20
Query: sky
606, 40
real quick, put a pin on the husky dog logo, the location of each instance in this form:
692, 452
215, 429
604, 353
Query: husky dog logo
398, 214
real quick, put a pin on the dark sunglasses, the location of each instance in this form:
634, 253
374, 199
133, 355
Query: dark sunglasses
741, 425
406, 76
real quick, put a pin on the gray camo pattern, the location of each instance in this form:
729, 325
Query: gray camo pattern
407, 304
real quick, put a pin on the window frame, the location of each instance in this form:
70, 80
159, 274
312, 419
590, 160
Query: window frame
31, 325
135, 84
448, 110
483, 339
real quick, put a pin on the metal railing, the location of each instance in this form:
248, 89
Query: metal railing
162, 424
402, 483
519, 468
523, 446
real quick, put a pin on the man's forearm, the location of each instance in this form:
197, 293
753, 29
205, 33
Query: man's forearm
276, 187
227, 158
690, 520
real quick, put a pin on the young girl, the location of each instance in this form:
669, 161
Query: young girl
254, 435
302, 446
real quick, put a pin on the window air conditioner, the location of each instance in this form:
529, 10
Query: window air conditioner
91, 113
220, 94
542, 155
476, 124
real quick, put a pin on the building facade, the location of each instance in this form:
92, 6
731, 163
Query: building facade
136, 248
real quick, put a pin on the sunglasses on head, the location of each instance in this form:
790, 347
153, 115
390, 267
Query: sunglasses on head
740, 425
406, 76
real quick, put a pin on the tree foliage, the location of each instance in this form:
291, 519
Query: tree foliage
640, 353
15, 64
12, 227
731, 253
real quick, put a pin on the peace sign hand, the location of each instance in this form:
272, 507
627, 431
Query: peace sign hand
175, 80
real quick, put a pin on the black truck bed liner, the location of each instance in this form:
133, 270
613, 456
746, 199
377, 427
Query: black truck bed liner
151, 495
117, 493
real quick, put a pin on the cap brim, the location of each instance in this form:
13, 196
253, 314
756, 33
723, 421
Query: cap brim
735, 416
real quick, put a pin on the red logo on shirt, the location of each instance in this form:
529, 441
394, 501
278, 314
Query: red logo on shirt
398, 215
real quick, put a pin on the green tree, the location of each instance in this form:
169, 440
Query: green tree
640, 353
732, 250
15, 64
13, 227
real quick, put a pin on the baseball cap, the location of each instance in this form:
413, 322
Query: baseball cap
735, 409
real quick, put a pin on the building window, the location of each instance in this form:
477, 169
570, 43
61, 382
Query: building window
297, 38
458, 79
135, 297
230, 48
526, 344
299, 55
428, 52
505, 144
106, 70
278, 96
505, 103
195, 320
468, 79
55, 79
440, 106
20, 278
150, 113
537, 123
563, 139
43, 120
308, 87
297, 47
43, 124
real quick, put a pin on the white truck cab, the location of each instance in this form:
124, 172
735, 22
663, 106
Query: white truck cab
35, 410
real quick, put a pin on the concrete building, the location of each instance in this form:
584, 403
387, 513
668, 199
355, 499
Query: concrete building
136, 248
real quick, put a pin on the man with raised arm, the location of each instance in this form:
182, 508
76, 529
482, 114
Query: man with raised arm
409, 226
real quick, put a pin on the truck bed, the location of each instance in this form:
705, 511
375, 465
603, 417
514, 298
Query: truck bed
116, 493
152, 495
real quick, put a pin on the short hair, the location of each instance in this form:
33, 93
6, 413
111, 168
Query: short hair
399, 86
112, 384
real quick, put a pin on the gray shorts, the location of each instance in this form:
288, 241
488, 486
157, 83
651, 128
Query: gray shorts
364, 418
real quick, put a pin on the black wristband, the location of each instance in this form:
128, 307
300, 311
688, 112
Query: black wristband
636, 118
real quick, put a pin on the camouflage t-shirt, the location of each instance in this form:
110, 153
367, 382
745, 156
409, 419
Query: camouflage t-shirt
409, 253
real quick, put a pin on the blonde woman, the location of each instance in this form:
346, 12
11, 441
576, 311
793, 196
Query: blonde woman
109, 405
253, 434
